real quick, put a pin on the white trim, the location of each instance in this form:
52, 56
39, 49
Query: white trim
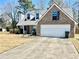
59, 9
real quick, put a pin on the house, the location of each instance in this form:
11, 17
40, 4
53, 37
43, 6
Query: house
2, 29
29, 21
6, 19
55, 22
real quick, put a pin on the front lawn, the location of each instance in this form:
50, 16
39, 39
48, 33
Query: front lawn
9, 41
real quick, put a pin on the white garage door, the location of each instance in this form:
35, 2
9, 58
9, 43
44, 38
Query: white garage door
54, 30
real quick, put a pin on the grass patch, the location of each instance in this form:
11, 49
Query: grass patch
9, 41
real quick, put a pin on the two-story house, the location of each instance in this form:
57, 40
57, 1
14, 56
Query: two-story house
55, 22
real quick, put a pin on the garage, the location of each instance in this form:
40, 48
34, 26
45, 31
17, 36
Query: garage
54, 30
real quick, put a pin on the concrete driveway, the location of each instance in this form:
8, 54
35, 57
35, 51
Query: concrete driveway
43, 48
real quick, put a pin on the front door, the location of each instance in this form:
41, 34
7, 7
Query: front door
28, 29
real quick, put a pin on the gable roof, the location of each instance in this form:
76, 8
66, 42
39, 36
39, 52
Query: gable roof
68, 11
32, 14
23, 23
54, 4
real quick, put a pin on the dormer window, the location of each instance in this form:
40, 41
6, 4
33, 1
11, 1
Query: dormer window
37, 15
33, 19
28, 16
25, 19
55, 15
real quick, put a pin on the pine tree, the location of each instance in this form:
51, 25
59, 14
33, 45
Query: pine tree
26, 4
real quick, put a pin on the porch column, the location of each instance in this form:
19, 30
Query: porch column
23, 30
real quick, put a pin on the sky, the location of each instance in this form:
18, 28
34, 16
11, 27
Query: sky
70, 2
36, 2
4, 2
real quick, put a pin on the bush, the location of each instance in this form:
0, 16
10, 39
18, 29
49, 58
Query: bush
0, 29
11, 30
15, 31
78, 24
7, 28
77, 30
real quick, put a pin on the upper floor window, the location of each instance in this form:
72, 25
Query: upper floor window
28, 16
33, 19
25, 19
55, 15
37, 15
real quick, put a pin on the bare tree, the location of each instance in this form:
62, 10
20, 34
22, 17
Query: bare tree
11, 11
42, 4
76, 11
59, 2
1, 22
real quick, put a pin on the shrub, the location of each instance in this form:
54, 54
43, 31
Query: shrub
77, 30
11, 30
7, 28
15, 31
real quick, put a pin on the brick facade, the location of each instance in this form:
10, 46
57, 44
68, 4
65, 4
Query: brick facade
64, 19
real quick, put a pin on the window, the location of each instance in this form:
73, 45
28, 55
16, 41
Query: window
25, 19
33, 19
28, 16
55, 15
37, 15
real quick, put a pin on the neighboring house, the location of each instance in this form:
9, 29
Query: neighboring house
2, 29
55, 22
7, 20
